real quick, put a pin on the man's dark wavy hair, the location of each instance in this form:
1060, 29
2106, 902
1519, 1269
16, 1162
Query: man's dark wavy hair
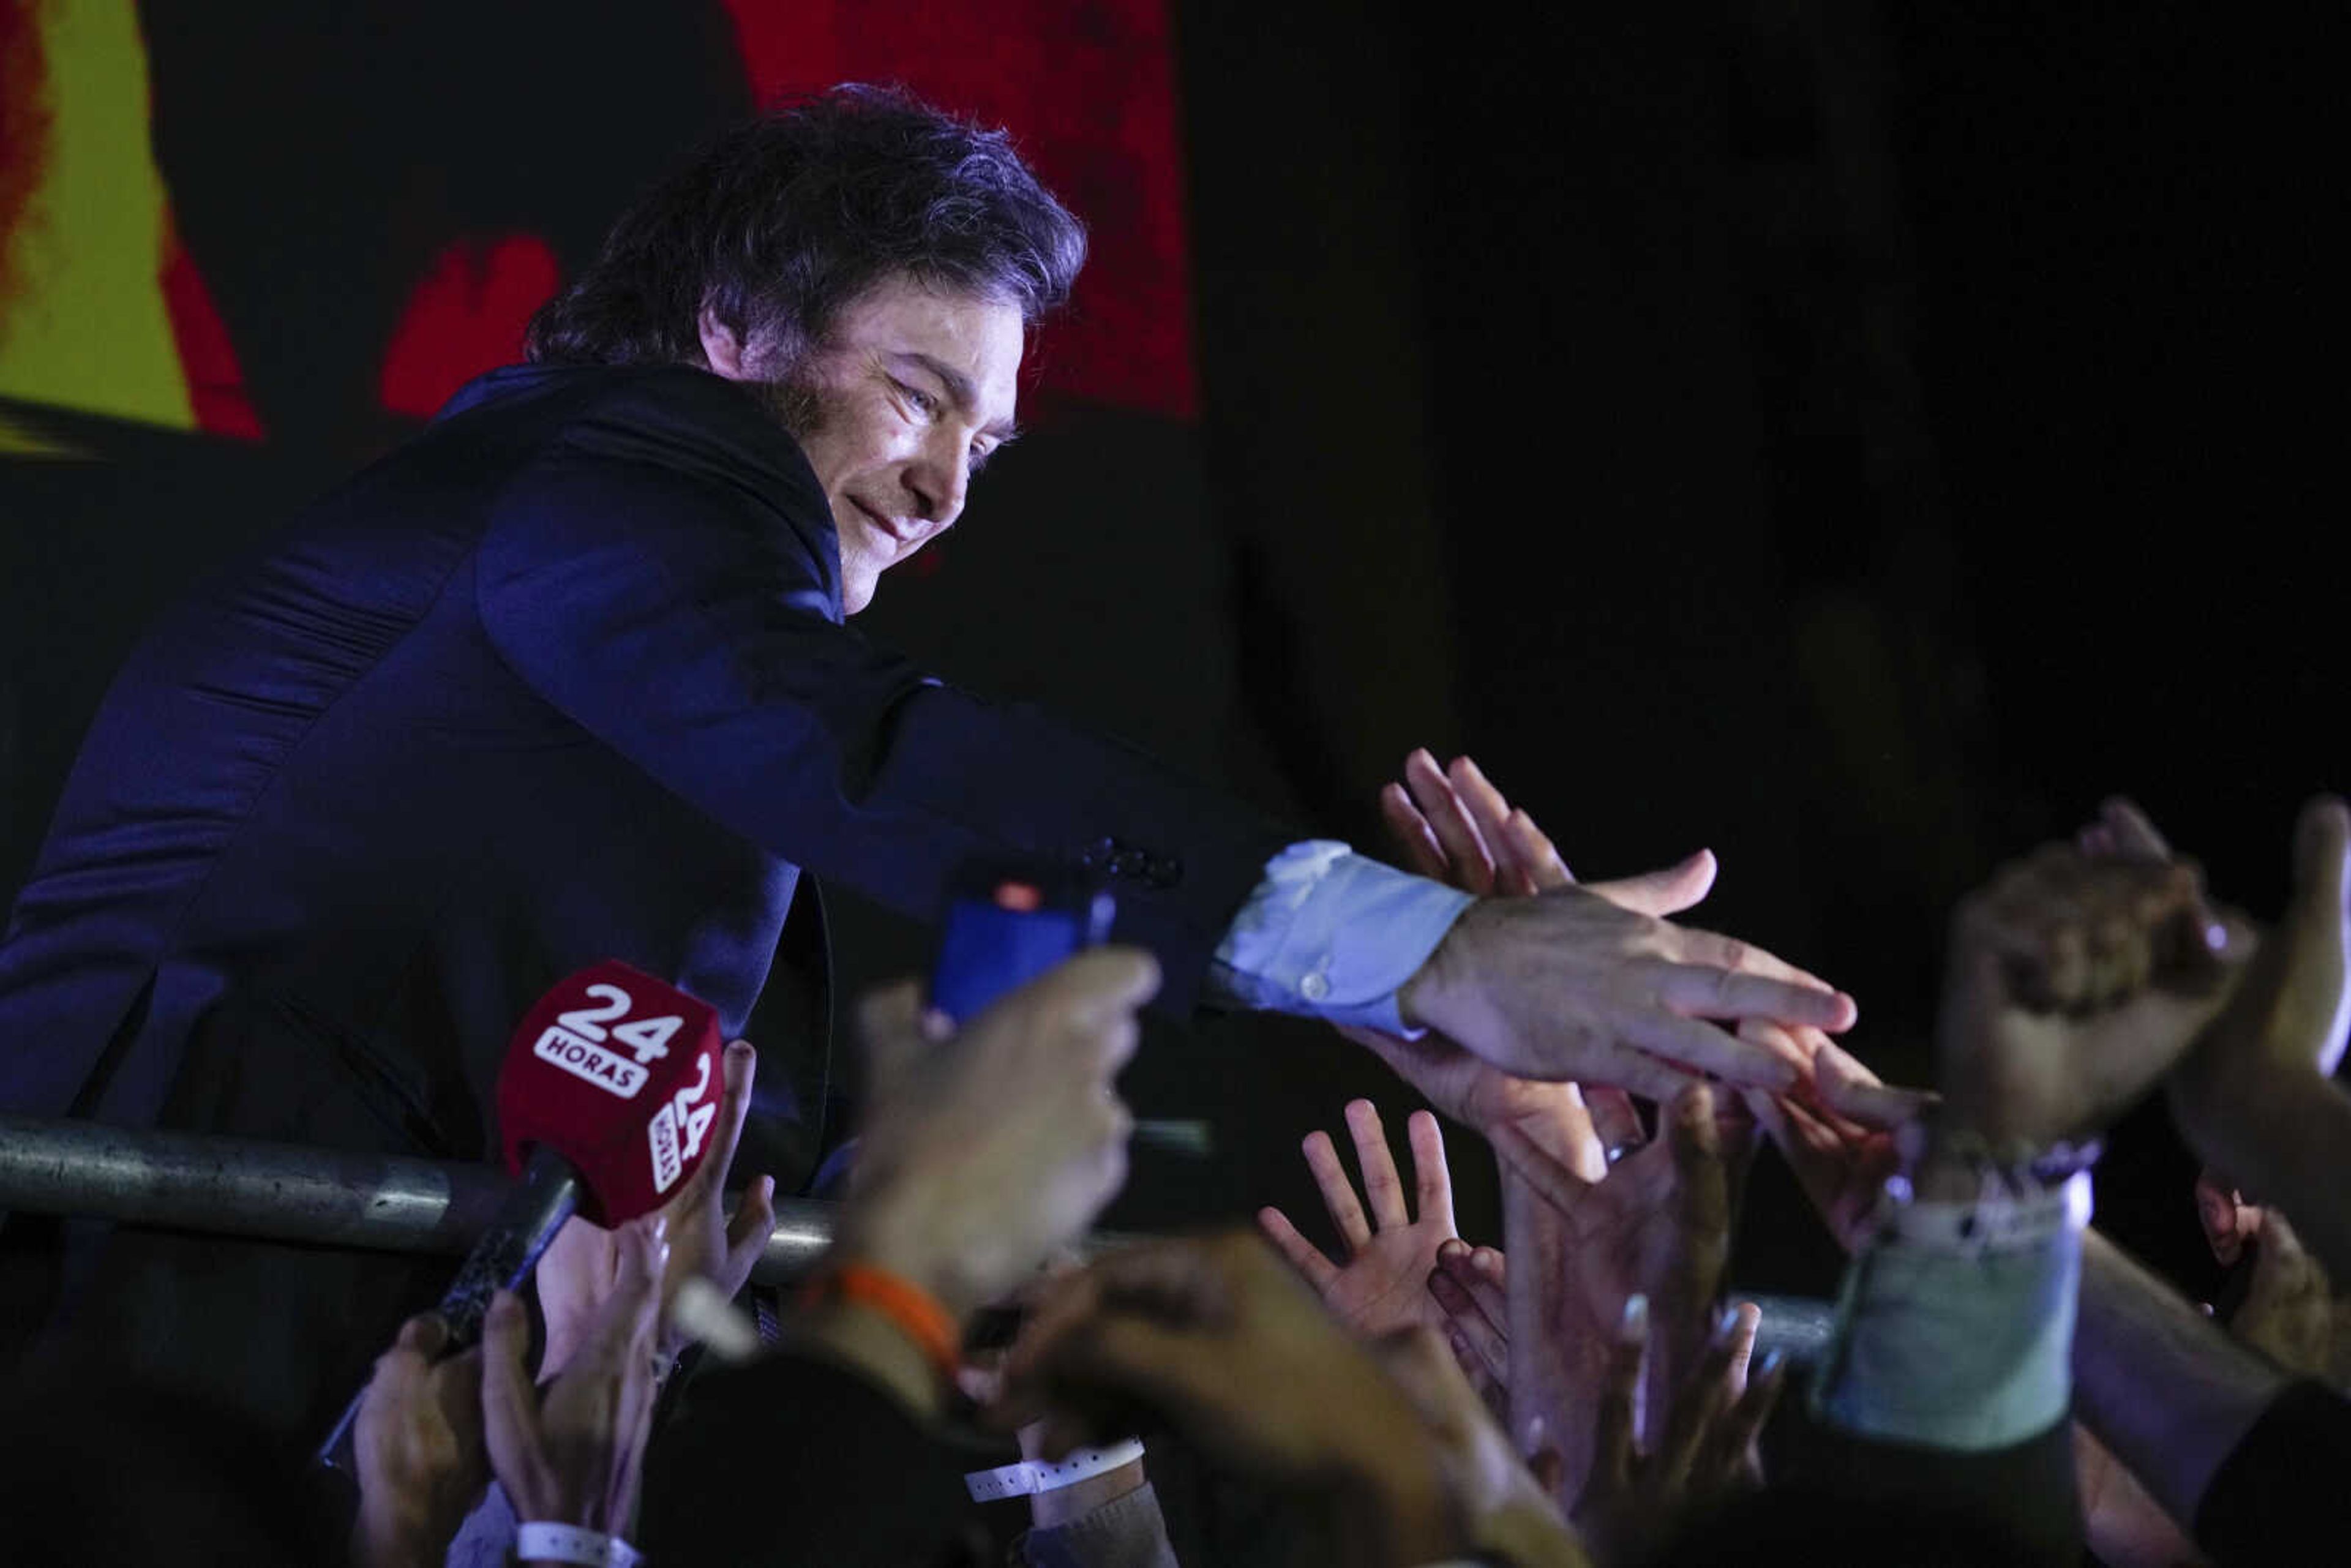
779, 223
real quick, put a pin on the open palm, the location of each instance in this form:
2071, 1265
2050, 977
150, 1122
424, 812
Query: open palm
1384, 1284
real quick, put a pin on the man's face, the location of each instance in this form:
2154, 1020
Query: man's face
895, 411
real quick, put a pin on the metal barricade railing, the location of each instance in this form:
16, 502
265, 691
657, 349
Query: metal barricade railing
285, 1192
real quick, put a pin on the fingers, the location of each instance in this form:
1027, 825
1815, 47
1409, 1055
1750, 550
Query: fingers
1383, 1189
1749, 1322
1724, 1454
1700, 1403
1304, 1255
625, 1317
748, 1231
898, 1031
1477, 1276
1688, 1042
1494, 820
509, 1405
1476, 1307
1471, 862
1532, 856
1708, 990
738, 1067
1432, 1181
1670, 891
1614, 1430
1704, 1197
422, 1334
1338, 1192
1099, 984
2321, 840
2129, 833
1414, 839
1855, 1093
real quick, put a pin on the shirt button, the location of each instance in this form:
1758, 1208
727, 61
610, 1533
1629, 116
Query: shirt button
1314, 987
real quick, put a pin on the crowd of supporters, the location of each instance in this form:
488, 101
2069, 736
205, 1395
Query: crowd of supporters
2002, 1385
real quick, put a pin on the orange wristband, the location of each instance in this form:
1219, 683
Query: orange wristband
916, 1312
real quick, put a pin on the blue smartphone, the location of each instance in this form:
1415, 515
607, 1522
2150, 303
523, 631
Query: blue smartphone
1006, 924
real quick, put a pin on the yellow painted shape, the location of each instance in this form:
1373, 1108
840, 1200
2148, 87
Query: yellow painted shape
85, 326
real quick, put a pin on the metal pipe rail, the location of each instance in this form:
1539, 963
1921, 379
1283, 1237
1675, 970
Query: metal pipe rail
288, 1192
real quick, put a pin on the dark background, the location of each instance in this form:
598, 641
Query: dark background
1853, 437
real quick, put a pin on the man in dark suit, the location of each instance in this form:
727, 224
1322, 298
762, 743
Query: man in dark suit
567, 678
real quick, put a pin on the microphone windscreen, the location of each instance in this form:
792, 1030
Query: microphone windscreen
620, 1074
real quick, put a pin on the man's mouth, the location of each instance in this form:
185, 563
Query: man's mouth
905, 533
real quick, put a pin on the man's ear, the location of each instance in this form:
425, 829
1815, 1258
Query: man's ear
721, 349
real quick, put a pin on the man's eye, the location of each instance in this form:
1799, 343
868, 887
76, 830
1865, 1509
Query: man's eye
920, 401
980, 456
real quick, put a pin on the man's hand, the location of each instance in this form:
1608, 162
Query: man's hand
573, 1455
1457, 828
577, 1271
1570, 984
985, 1149
2075, 982
1219, 1338
421, 1455
1384, 1285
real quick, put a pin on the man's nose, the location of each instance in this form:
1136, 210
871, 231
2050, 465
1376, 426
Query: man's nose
939, 479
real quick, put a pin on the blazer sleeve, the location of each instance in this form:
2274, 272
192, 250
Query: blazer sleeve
673, 587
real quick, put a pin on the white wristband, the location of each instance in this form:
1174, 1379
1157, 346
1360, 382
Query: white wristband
570, 1543
1990, 1224
1032, 1476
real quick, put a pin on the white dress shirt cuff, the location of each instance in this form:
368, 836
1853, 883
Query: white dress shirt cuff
1333, 935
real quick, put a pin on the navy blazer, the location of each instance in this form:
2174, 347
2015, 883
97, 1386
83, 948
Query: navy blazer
564, 679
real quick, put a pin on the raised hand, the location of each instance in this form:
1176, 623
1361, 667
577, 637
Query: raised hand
577, 1268
1219, 1338
421, 1461
984, 1149
1384, 1284
2076, 981
1647, 1484
573, 1453
1658, 1225
1472, 1287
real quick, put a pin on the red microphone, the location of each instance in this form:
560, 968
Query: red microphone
605, 1102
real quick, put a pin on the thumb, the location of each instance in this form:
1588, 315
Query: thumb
2320, 843
898, 1033
2308, 947
1662, 893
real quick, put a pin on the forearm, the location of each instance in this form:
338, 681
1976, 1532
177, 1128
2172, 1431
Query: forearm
1551, 1375
2168, 1393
